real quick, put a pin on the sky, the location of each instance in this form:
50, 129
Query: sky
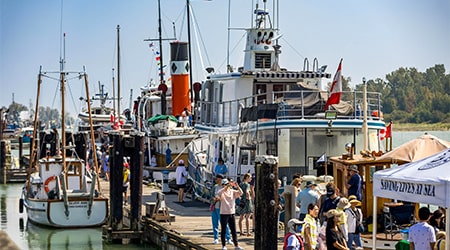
374, 38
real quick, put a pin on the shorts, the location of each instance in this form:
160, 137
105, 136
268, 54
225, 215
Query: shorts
182, 186
124, 189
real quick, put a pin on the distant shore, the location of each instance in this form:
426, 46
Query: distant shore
421, 126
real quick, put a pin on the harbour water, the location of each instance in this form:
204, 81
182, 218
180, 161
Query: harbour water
29, 236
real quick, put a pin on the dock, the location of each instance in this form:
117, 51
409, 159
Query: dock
189, 226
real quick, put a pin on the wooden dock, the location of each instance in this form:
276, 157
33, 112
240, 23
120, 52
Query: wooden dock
190, 225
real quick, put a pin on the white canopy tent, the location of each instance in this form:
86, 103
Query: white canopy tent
424, 181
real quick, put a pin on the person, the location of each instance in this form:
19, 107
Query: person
307, 196
105, 163
296, 182
421, 234
228, 194
186, 117
436, 220
126, 181
146, 155
153, 162
181, 175
334, 236
342, 205
246, 205
354, 220
310, 230
354, 185
221, 168
215, 214
330, 202
293, 240
440, 241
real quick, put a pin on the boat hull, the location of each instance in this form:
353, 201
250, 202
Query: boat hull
52, 212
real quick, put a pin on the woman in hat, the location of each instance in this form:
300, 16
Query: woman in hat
335, 237
228, 194
342, 205
354, 223
181, 175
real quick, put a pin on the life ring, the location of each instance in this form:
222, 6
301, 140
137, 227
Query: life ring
49, 179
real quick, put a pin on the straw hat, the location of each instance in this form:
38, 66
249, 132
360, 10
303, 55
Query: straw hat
333, 213
343, 203
355, 202
352, 197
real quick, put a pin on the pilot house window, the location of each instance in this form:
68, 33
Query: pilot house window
262, 61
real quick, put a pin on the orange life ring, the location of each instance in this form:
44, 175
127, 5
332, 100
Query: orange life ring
49, 179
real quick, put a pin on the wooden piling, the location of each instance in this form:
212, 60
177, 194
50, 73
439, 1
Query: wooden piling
116, 180
135, 149
266, 214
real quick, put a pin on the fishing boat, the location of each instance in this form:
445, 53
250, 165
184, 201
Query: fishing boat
60, 191
264, 109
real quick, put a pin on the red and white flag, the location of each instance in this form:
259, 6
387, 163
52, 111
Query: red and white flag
336, 88
386, 132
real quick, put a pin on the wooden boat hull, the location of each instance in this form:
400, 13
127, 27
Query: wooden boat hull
52, 212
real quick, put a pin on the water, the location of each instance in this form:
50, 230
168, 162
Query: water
29, 236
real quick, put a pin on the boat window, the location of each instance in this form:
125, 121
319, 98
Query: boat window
73, 169
263, 60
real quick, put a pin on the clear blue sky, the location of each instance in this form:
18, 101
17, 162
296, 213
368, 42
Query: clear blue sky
373, 37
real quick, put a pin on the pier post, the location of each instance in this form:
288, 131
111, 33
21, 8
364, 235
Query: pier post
20, 150
289, 213
116, 180
266, 212
135, 149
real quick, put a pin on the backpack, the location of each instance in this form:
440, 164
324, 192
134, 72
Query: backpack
300, 239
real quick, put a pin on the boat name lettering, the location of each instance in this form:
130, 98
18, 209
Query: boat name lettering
77, 204
408, 187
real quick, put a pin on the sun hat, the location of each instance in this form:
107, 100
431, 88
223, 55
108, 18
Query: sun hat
355, 202
352, 197
334, 213
353, 168
220, 176
293, 222
343, 203
310, 183
181, 162
225, 182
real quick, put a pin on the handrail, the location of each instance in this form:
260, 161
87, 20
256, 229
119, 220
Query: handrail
292, 105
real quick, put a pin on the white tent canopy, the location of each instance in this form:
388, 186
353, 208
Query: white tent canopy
424, 181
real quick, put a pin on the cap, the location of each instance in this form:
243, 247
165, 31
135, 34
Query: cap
181, 162
225, 182
343, 203
310, 183
220, 176
293, 222
330, 191
353, 168
126, 165
334, 213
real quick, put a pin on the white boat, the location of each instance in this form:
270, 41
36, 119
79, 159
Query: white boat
264, 109
60, 192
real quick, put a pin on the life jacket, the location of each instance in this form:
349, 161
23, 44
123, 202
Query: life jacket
300, 239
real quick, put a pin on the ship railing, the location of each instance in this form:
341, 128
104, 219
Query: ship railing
301, 104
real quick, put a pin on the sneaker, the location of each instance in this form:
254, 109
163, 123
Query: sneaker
229, 242
238, 248
216, 241
224, 248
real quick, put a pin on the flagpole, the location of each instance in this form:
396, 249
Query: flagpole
365, 129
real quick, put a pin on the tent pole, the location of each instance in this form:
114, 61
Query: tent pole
447, 227
374, 223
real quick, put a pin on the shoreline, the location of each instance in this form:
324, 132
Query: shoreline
421, 126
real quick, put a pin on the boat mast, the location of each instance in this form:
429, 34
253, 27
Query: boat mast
63, 115
118, 72
188, 7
